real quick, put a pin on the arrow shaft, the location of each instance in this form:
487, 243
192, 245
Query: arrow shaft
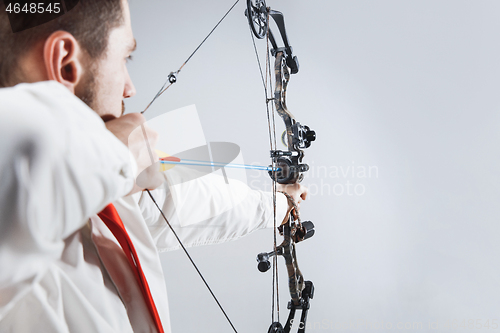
221, 165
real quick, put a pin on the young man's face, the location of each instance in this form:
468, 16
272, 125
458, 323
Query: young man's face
107, 83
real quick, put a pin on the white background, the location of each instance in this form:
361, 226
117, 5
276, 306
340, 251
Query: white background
408, 87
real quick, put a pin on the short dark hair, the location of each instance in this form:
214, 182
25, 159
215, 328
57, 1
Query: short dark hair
90, 22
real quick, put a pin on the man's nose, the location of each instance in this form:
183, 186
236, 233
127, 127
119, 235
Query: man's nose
129, 89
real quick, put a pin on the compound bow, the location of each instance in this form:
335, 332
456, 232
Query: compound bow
289, 163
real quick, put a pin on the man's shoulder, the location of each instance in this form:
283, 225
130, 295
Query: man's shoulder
49, 88
46, 101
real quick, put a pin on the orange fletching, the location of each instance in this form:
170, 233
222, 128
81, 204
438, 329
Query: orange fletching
170, 159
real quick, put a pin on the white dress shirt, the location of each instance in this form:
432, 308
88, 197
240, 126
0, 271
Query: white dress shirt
61, 269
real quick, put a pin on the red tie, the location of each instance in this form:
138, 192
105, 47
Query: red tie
110, 217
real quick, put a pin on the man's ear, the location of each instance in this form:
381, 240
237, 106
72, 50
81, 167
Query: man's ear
62, 57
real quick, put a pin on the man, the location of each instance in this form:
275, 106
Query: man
63, 266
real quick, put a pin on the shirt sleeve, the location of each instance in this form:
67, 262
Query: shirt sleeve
59, 165
206, 210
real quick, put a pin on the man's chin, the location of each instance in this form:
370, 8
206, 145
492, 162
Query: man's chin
102, 111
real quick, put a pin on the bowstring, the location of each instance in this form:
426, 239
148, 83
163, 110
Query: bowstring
192, 261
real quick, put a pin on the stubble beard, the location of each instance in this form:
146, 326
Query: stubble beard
89, 84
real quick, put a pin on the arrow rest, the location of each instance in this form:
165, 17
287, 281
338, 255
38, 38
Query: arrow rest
289, 170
